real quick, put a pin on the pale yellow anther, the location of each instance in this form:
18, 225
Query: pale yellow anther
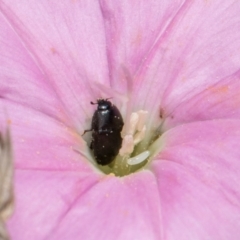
135, 132
142, 116
138, 137
133, 123
127, 145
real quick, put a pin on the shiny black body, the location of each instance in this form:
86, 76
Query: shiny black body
107, 124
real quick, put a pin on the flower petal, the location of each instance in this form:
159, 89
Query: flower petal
43, 198
79, 207
115, 208
198, 174
194, 61
66, 44
132, 27
220, 100
40, 142
21, 79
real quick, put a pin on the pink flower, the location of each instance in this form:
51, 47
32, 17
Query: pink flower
184, 58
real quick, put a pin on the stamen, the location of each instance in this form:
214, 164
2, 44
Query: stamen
134, 119
138, 137
127, 145
142, 116
135, 132
139, 158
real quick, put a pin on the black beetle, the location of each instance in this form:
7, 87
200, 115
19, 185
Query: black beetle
107, 124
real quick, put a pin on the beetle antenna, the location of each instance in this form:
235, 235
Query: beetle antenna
93, 103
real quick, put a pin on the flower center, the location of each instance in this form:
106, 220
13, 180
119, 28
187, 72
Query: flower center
135, 152
117, 145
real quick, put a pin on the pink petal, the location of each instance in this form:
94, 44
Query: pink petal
66, 44
198, 173
21, 79
195, 61
221, 100
114, 208
132, 27
43, 198
40, 142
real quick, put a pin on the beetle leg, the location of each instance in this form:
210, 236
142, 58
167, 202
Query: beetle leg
88, 130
